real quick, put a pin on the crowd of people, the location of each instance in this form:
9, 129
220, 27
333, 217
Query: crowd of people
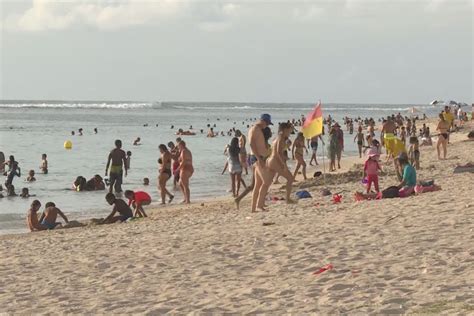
267, 162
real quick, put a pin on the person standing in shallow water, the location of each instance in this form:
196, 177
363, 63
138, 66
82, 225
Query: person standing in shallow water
119, 162
186, 171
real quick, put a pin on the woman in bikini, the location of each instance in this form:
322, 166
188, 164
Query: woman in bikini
298, 151
442, 128
186, 170
276, 164
164, 173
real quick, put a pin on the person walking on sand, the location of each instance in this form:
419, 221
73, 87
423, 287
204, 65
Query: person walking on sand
164, 174
332, 148
340, 143
259, 152
235, 168
443, 129
388, 130
297, 151
360, 140
313, 143
276, 164
119, 162
243, 150
186, 171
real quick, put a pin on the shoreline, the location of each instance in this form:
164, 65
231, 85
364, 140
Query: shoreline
391, 256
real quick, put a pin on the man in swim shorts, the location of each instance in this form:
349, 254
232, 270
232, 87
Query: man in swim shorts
119, 162
49, 216
119, 207
260, 152
388, 129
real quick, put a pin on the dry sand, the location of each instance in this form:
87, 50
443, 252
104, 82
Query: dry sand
393, 256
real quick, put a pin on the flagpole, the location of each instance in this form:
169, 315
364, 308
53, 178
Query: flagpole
324, 165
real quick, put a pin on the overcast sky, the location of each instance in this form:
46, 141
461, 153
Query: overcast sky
360, 51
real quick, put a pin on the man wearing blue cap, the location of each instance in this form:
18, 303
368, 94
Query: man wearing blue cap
259, 155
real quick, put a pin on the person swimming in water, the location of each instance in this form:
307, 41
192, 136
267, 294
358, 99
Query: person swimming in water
164, 173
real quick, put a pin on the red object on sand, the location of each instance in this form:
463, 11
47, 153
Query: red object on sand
336, 198
325, 268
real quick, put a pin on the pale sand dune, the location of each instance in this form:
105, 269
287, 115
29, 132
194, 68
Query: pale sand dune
213, 258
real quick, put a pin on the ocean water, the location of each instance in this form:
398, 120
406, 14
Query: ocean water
31, 128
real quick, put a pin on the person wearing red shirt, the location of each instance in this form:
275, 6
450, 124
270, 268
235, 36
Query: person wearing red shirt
138, 200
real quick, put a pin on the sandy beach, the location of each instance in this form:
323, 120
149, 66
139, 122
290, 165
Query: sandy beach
392, 256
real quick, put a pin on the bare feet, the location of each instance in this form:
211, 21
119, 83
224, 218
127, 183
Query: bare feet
171, 199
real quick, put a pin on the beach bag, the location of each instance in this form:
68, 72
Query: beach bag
390, 192
303, 194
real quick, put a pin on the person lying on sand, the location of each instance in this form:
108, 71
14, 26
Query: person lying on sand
138, 200
119, 207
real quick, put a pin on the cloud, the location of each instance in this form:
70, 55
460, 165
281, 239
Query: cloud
46, 15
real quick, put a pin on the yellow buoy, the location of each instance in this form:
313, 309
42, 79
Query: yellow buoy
68, 144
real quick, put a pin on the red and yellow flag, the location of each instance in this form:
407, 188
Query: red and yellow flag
313, 124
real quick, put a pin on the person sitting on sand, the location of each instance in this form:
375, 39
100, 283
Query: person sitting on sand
49, 216
408, 183
137, 200
31, 176
120, 207
32, 217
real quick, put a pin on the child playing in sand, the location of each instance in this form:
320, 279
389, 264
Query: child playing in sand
371, 169
119, 207
414, 152
44, 164
360, 140
31, 176
138, 200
